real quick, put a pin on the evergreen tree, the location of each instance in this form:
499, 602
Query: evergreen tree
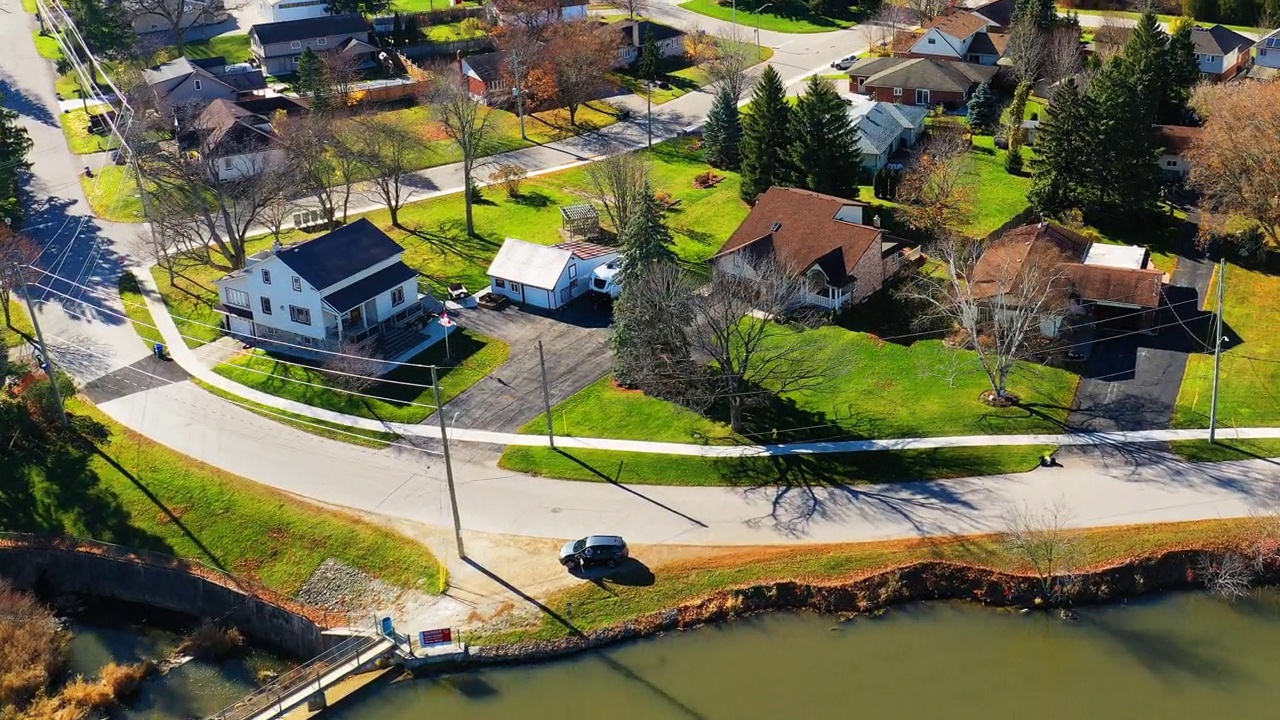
650, 57
15, 145
1206, 10
1127, 178
824, 145
1144, 65
646, 239
722, 136
311, 79
412, 29
397, 30
1044, 13
984, 109
1181, 73
1016, 110
766, 136
1063, 165
106, 29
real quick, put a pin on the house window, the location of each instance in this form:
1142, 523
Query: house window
515, 287
266, 277
499, 282
573, 283
897, 92
922, 97
196, 84
239, 298
573, 271
933, 41
1171, 163
300, 315
297, 284
397, 297
322, 42
296, 44
975, 59
297, 59
266, 305
226, 163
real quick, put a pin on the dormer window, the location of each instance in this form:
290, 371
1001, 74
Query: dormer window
933, 41
775, 227
197, 85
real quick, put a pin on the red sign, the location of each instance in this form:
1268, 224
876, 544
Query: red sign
435, 637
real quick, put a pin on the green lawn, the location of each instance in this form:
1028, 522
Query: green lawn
451, 32
235, 48
135, 307
356, 436
114, 485
19, 322
1226, 450
1162, 18
48, 47
1249, 391
681, 74
75, 126
793, 470
113, 194
421, 6
998, 197
30, 6
795, 21
473, 356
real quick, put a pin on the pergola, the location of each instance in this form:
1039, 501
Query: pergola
580, 220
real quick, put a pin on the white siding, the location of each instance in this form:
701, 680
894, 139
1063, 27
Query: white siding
243, 165
556, 297
943, 45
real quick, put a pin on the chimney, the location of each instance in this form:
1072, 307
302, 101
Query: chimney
635, 33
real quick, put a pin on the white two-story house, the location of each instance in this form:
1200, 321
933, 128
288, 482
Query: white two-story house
1221, 53
961, 36
350, 285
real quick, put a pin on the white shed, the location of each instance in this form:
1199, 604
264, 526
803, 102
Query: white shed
545, 276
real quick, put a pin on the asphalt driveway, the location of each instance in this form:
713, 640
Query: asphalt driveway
575, 342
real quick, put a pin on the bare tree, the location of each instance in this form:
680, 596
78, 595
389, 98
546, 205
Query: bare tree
735, 324
522, 48
580, 58
314, 154
730, 64
1040, 538
276, 215
1026, 49
1001, 297
17, 251
532, 15
341, 74
1227, 574
1233, 159
346, 164
651, 332
926, 10
933, 187
354, 368
465, 121
617, 182
1110, 36
387, 148
188, 179
179, 16
880, 29
1063, 54
634, 7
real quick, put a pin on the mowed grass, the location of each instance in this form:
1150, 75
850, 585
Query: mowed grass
135, 306
333, 431
473, 356
75, 126
19, 323
785, 19
591, 606
998, 197
881, 390
1249, 390
125, 489
681, 74
47, 46
1226, 450
113, 194
451, 32
235, 48
422, 6
794, 471
1166, 19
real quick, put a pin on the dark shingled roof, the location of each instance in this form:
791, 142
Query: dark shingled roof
487, 65
800, 229
927, 73
278, 32
334, 257
999, 12
1218, 40
1000, 267
376, 284
660, 32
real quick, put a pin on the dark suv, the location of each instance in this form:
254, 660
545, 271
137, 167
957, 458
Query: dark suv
608, 550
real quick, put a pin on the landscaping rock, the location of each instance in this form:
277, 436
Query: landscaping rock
338, 586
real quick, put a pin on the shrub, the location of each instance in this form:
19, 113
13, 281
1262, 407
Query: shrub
510, 176
1013, 161
211, 641
32, 647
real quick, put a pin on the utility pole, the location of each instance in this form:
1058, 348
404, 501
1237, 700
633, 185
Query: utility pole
448, 465
515, 69
546, 398
1217, 349
51, 370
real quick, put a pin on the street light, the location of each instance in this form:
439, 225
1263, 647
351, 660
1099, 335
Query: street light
759, 12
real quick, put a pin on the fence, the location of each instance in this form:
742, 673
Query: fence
443, 16
194, 567
301, 677
425, 50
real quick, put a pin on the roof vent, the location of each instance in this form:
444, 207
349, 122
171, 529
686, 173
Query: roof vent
775, 227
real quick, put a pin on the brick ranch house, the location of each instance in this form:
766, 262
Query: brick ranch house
918, 81
823, 238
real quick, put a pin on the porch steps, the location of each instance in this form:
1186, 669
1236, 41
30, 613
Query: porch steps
392, 343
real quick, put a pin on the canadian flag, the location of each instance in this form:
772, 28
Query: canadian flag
445, 321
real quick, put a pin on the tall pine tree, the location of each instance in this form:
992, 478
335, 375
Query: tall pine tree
311, 79
15, 144
722, 136
1144, 65
766, 133
1128, 180
824, 143
1181, 73
646, 239
1063, 166
1044, 13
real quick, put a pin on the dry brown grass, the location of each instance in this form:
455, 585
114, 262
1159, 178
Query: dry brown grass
80, 698
211, 641
32, 647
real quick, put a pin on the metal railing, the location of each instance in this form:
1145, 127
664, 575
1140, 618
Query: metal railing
301, 678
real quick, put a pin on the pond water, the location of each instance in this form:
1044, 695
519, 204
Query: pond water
1180, 656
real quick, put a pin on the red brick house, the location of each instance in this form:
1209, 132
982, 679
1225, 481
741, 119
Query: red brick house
486, 78
823, 238
918, 81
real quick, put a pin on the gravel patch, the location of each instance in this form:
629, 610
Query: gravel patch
338, 586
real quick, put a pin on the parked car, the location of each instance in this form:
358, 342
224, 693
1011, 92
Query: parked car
606, 550
845, 62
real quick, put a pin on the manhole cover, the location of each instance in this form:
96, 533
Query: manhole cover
555, 509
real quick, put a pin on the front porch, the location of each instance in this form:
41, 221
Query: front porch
828, 298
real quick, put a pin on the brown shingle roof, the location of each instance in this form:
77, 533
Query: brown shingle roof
1000, 266
800, 229
904, 40
960, 24
1098, 283
1176, 138
225, 122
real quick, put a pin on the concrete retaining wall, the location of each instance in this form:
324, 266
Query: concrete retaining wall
64, 571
